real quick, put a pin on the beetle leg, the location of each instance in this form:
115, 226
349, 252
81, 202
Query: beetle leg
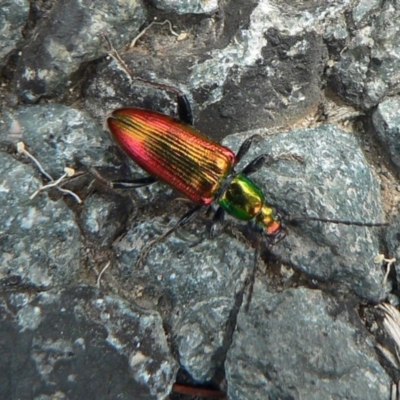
134, 183
217, 222
252, 275
244, 148
119, 184
184, 109
266, 159
185, 219
257, 163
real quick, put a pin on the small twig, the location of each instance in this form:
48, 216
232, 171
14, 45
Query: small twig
395, 391
136, 38
22, 150
391, 321
198, 392
49, 185
113, 53
97, 177
101, 274
390, 357
71, 193
380, 259
69, 172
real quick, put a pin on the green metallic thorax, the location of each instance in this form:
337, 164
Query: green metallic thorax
243, 199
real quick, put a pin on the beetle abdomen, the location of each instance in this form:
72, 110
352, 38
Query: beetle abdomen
172, 151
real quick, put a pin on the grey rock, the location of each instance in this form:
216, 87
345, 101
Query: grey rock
250, 64
335, 182
81, 343
367, 68
104, 217
70, 36
386, 120
187, 6
58, 135
195, 280
365, 10
13, 17
233, 72
40, 240
302, 344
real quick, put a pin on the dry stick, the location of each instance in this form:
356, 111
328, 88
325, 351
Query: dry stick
379, 259
22, 150
113, 53
391, 324
101, 274
133, 43
53, 183
198, 392
68, 173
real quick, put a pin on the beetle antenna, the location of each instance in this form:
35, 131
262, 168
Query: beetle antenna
335, 221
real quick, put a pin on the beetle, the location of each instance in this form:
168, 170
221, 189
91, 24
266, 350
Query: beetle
173, 151
203, 170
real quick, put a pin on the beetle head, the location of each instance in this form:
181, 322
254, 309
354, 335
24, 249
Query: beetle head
271, 223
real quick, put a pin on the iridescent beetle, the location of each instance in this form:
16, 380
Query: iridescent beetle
173, 151
201, 169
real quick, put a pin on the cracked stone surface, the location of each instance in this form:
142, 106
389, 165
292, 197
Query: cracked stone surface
80, 318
